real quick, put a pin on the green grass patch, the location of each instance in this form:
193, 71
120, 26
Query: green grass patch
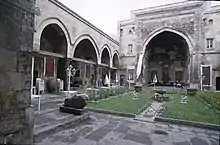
213, 98
124, 103
194, 110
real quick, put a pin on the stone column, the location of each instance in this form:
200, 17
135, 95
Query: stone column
198, 46
32, 74
109, 76
96, 77
67, 63
195, 69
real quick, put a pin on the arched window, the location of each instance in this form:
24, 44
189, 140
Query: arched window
133, 28
210, 22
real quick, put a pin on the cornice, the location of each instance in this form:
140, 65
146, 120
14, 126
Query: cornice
211, 52
169, 8
128, 24
212, 10
167, 16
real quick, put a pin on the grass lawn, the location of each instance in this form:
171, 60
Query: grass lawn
194, 110
124, 103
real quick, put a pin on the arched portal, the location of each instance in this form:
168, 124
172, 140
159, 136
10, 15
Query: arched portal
105, 57
51, 64
166, 57
85, 61
53, 40
114, 71
104, 69
86, 51
115, 60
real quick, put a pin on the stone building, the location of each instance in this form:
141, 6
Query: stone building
62, 37
176, 42
16, 41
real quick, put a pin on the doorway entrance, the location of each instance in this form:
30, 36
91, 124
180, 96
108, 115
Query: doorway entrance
217, 83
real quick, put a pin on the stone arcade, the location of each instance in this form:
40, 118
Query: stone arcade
63, 38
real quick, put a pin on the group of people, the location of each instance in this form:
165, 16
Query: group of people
102, 82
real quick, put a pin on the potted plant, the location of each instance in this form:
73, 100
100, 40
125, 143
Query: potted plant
191, 91
52, 85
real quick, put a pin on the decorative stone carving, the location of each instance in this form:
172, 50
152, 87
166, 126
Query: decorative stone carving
184, 25
37, 11
36, 47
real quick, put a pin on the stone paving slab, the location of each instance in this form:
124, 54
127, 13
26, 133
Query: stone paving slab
98, 134
139, 137
55, 121
114, 130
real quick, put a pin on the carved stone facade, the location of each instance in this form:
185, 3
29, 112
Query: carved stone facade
183, 25
186, 19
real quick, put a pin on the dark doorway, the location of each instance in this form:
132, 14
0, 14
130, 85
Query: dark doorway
217, 83
53, 40
206, 74
86, 74
105, 57
85, 50
166, 52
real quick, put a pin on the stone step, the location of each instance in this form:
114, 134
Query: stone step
47, 100
144, 119
55, 121
45, 106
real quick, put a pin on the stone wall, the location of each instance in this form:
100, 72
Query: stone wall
211, 29
16, 39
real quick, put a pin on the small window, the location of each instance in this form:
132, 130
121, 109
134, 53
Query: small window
210, 43
121, 31
130, 32
133, 28
210, 22
130, 48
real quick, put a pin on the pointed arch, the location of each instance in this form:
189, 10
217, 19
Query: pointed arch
115, 59
188, 39
105, 55
43, 25
91, 40
108, 48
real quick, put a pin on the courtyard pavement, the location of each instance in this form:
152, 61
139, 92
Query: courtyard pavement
105, 129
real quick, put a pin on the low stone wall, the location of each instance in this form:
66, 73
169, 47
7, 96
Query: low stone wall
105, 93
188, 123
111, 112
